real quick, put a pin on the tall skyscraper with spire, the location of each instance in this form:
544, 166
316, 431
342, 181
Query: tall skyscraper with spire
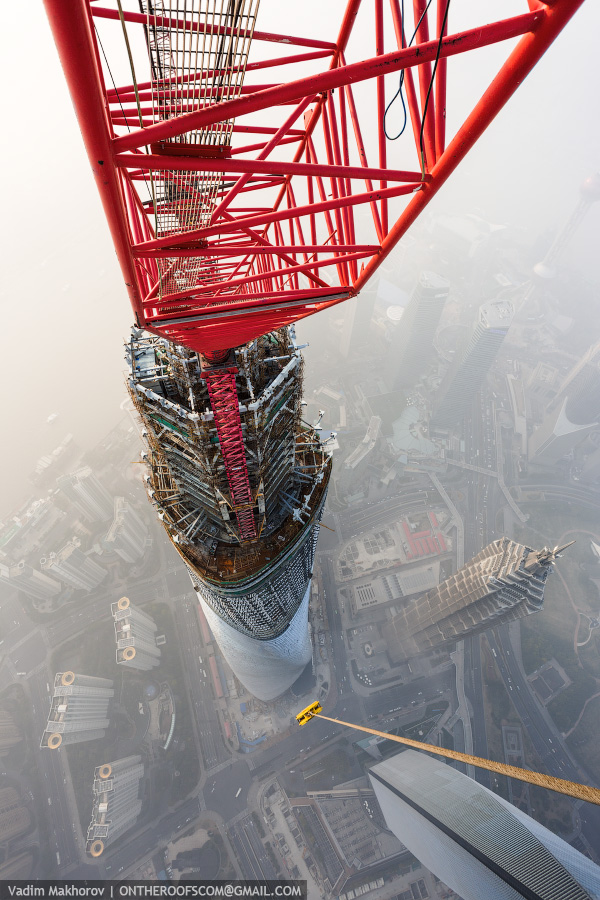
474, 841
472, 363
505, 581
246, 532
412, 346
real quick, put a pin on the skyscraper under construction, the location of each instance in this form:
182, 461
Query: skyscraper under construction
218, 268
505, 581
247, 529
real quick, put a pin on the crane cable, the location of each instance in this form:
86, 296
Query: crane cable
560, 785
403, 45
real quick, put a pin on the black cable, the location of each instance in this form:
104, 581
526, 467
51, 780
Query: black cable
119, 99
111, 77
401, 83
437, 59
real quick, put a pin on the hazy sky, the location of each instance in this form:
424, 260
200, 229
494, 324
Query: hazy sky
65, 310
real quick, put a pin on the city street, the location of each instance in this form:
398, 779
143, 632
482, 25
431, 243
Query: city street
199, 681
221, 789
250, 850
126, 852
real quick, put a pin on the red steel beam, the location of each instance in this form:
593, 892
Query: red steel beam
156, 162
425, 76
128, 90
521, 61
197, 290
72, 32
255, 284
441, 83
471, 39
188, 237
225, 406
256, 250
187, 25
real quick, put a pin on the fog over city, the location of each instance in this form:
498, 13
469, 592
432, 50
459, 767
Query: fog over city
446, 431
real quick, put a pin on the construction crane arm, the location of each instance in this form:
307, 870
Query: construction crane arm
227, 227
560, 785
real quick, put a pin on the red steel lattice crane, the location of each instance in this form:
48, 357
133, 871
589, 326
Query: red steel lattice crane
238, 206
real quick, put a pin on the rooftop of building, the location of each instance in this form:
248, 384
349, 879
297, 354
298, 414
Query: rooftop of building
496, 314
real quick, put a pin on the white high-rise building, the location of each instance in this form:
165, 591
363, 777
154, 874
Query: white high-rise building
78, 711
474, 841
117, 802
35, 584
127, 534
135, 634
74, 568
87, 494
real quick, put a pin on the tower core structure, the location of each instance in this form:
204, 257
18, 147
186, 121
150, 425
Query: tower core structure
240, 492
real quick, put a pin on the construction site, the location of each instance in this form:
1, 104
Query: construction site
251, 178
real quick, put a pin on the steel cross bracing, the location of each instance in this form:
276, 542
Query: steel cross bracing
283, 198
224, 402
238, 206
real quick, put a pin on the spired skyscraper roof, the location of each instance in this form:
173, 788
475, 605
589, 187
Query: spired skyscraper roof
475, 842
505, 581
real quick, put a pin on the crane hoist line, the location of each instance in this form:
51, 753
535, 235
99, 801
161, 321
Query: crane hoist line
560, 785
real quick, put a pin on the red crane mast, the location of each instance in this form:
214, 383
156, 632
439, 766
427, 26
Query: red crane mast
238, 206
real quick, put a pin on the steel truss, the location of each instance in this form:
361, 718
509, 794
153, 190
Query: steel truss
304, 244
212, 275
224, 402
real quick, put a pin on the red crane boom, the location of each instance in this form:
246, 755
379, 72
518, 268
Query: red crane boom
262, 206
217, 275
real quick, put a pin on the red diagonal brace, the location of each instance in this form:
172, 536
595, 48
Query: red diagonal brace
225, 406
